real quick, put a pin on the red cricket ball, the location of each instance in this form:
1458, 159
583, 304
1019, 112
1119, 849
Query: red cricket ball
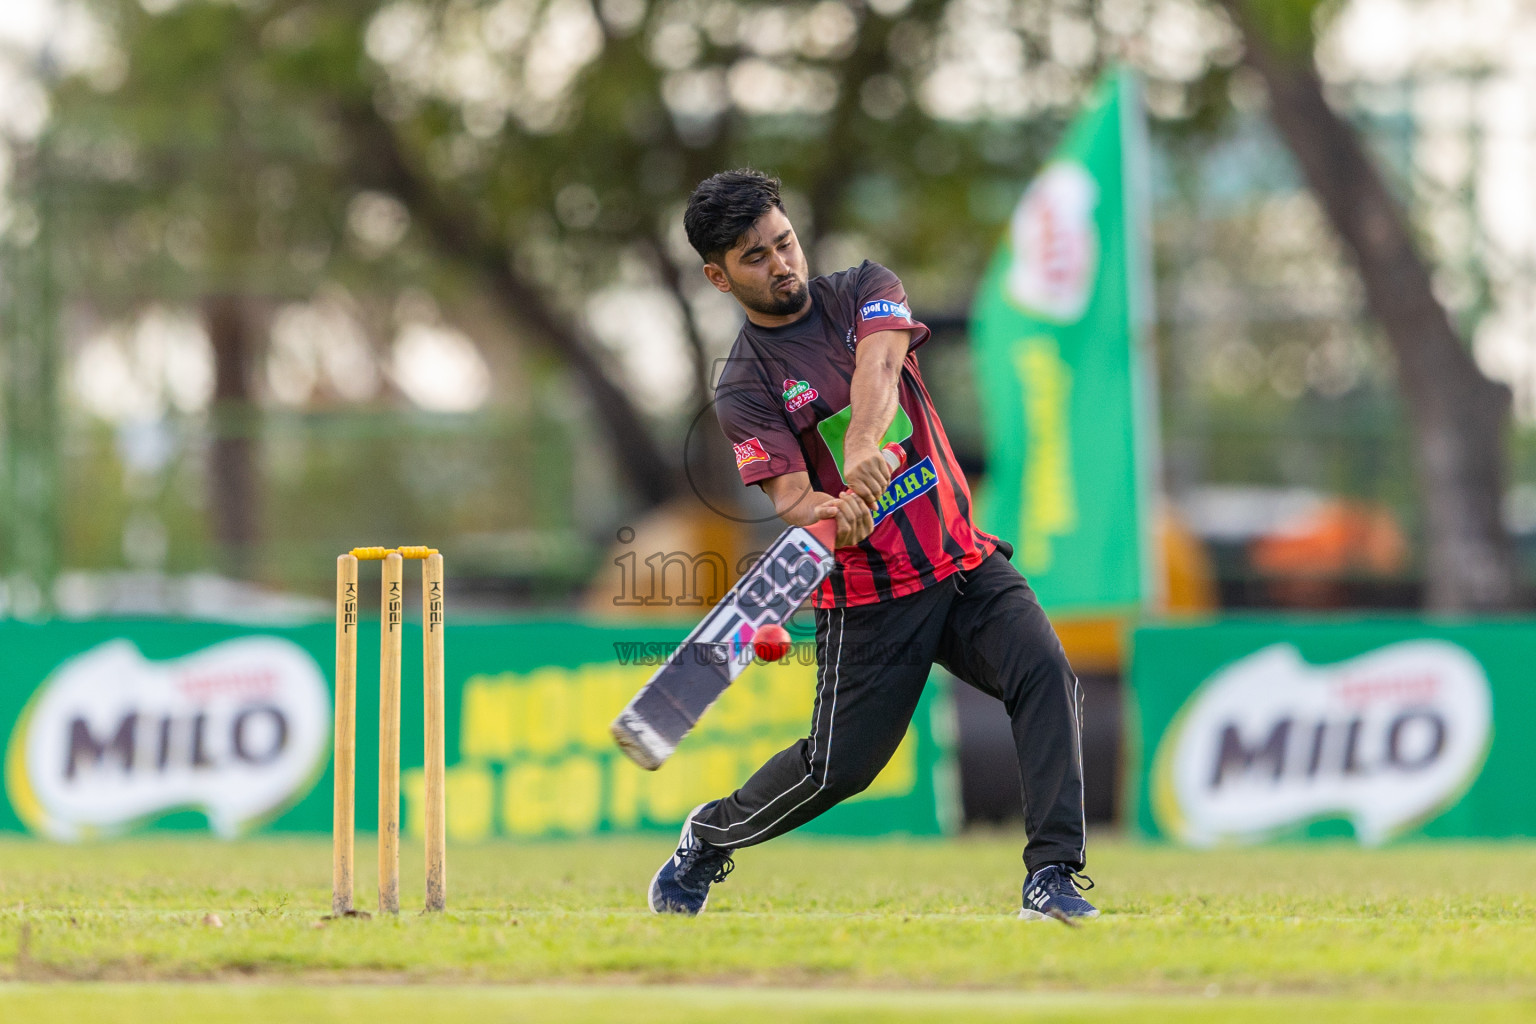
771, 642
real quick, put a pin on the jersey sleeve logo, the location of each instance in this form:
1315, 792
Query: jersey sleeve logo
882, 308
750, 450
798, 393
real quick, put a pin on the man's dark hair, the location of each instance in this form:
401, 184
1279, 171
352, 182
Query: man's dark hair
724, 206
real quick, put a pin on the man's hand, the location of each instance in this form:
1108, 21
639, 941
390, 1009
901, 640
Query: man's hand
867, 473
854, 521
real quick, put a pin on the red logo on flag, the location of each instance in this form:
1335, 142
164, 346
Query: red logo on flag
750, 450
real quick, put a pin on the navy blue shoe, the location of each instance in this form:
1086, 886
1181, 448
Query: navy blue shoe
681, 885
1052, 893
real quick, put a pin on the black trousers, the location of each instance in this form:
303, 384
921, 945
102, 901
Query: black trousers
986, 627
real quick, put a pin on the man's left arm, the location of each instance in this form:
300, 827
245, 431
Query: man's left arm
874, 395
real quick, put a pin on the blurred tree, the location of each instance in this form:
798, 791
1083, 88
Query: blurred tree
546, 146
1459, 416
539, 151
212, 164
551, 145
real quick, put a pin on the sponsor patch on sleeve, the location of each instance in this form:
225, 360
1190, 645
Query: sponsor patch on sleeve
882, 308
750, 450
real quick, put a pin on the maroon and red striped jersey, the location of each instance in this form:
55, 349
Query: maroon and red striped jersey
783, 401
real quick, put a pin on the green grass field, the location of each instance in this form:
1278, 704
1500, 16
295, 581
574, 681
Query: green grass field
803, 931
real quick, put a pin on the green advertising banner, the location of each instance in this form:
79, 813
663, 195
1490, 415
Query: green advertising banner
1375, 729
113, 727
1057, 330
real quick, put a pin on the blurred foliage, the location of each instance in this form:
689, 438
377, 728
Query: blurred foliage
219, 149
498, 163
1289, 26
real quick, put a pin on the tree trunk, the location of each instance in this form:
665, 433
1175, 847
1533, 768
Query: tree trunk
233, 491
1459, 416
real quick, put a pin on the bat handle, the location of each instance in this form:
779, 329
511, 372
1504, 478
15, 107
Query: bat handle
895, 456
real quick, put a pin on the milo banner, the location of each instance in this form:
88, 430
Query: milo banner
1057, 335
1370, 729
115, 727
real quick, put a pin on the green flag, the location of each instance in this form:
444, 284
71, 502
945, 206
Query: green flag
1057, 334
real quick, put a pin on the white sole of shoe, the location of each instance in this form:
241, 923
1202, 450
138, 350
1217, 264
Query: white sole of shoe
1025, 914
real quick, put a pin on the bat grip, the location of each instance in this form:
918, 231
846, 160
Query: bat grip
895, 456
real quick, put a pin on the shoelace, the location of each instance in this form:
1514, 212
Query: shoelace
703, 865
1064, 881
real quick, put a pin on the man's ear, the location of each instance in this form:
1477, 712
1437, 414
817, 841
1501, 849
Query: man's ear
716, 275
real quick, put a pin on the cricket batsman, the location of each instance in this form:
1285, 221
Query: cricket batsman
823, 375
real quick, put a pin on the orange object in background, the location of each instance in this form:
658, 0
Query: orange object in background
1190, 579
1312, 561
1339, 538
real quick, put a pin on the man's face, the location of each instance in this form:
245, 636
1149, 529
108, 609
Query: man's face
766, 271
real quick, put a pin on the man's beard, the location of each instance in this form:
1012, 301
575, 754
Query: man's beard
779, 304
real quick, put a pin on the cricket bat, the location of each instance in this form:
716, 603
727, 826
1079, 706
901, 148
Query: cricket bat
719, 649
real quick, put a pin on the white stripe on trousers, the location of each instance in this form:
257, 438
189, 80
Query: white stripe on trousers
815, 728
1082, 797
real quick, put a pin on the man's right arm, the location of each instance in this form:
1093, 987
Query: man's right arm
798, 505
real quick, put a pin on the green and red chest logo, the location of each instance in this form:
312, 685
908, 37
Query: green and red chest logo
798, 393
